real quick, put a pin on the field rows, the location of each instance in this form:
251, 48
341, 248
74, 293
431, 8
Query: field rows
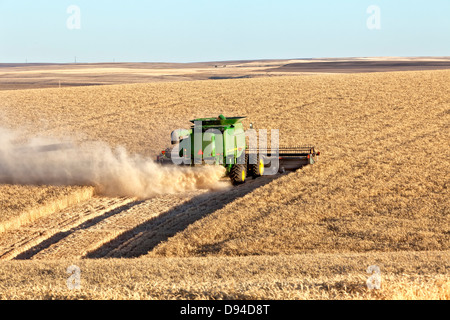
25, 241
114, 227
22, 204
378, 195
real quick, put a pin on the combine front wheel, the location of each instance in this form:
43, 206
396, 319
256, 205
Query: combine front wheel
257, 169
238, 174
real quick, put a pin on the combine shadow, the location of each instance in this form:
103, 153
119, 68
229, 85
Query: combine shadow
145, 237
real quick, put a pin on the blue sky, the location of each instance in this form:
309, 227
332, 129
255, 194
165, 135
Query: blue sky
213, 30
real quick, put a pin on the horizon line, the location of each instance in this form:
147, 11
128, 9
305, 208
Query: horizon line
233, 60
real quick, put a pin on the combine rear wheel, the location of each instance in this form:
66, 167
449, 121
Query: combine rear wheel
238, 174
256, 169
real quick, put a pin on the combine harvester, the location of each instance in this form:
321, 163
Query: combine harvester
222, 141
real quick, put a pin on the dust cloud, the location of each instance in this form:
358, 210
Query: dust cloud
113, 171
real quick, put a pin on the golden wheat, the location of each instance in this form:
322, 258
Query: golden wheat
22, 205
381, 184
419, 275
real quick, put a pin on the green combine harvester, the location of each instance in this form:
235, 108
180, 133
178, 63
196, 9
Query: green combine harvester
223, 141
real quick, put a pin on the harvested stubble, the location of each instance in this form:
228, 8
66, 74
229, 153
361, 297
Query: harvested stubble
22, 205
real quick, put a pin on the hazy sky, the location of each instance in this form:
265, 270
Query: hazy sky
210, 30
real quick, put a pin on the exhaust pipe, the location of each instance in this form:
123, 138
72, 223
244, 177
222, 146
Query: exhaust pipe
177, 135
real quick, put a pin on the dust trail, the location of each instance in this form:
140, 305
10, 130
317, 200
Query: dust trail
114, 172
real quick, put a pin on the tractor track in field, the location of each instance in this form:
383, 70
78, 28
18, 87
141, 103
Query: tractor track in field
115, 227
144, 237
23, 242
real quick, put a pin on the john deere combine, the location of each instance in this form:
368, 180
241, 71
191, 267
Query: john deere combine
223, 141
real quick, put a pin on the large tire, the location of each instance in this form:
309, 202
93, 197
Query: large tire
238, 174
257, 169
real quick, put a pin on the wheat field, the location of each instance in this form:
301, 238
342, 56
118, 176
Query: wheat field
21, 205
287, 277
379, 192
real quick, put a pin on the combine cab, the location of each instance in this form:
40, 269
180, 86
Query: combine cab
222, 141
